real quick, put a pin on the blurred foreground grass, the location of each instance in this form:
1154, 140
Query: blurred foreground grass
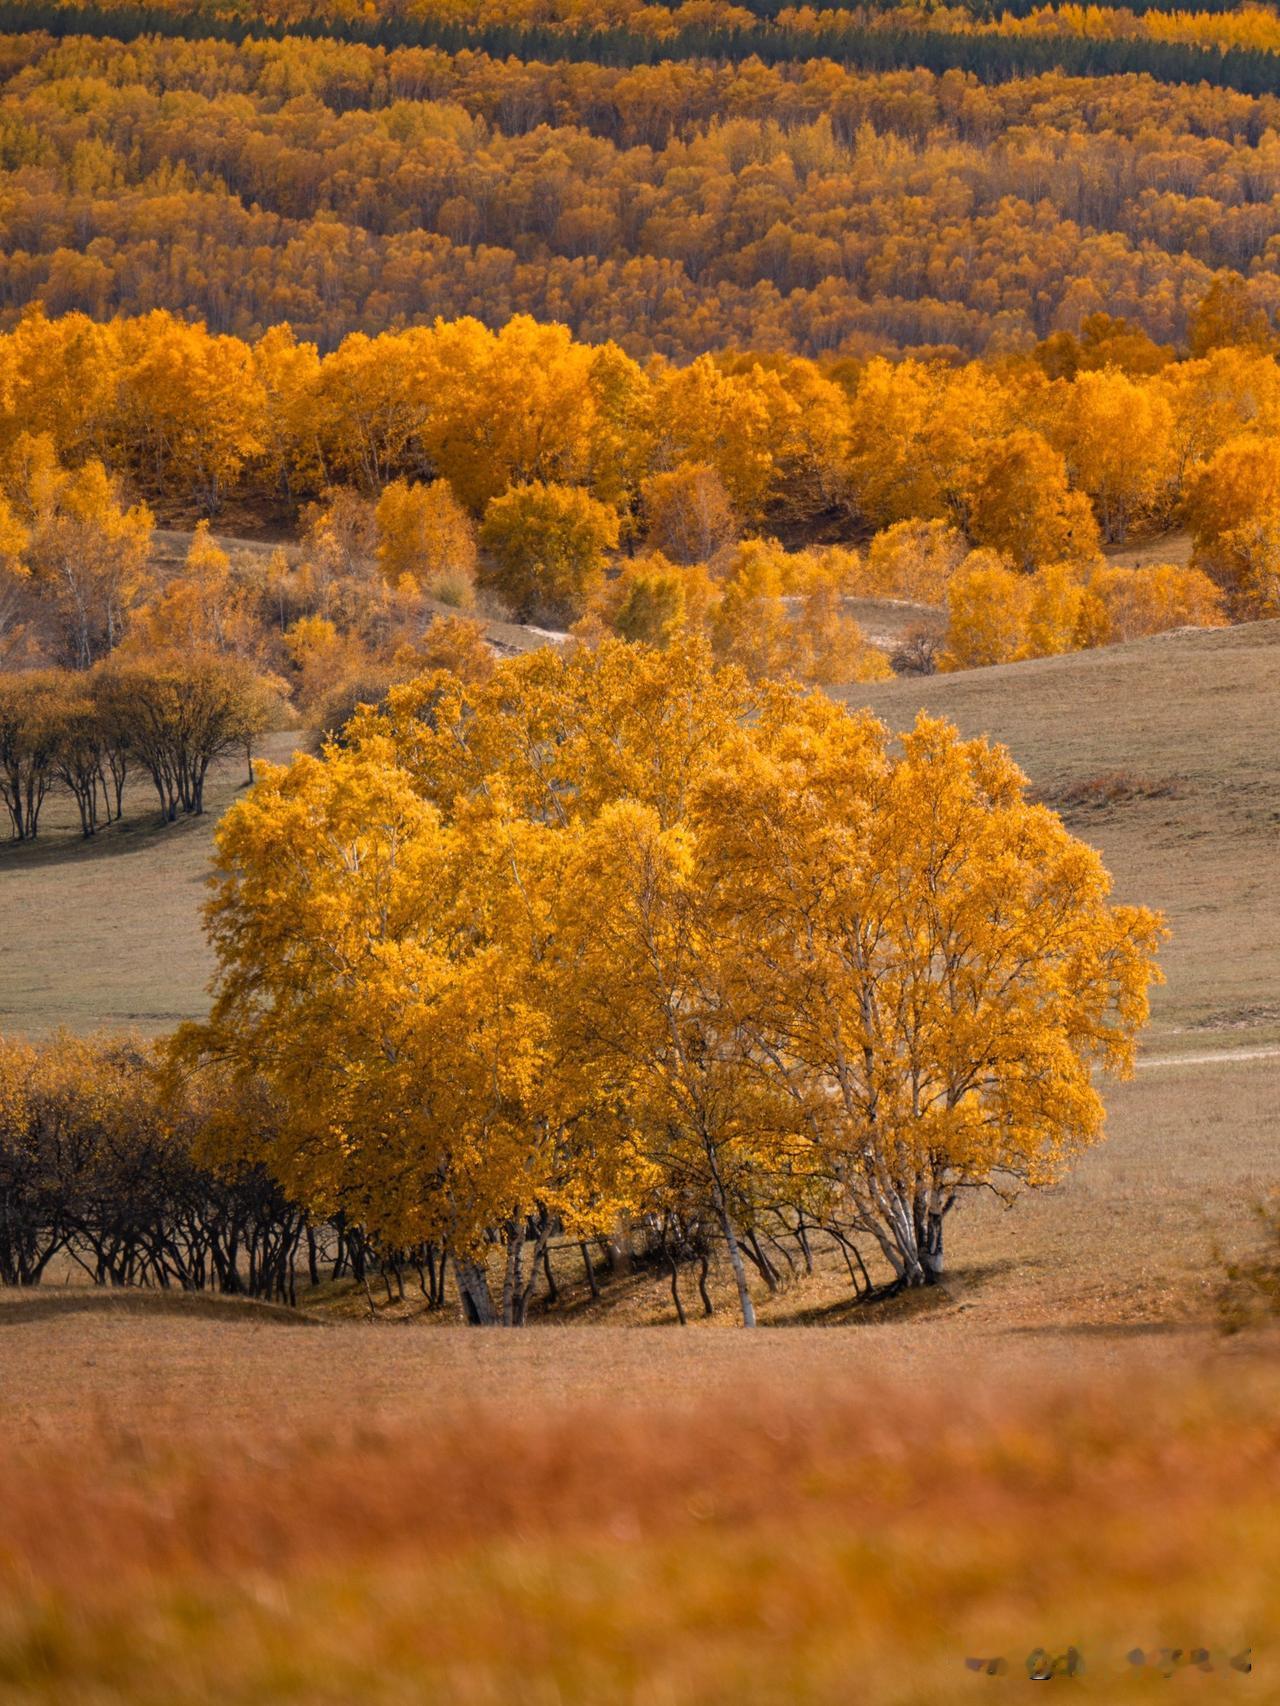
760, 1549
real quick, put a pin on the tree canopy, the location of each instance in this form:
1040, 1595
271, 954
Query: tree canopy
622, 933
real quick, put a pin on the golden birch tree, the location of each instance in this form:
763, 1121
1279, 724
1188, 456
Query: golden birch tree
928, 965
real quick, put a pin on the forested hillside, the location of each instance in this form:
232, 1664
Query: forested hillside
678, 207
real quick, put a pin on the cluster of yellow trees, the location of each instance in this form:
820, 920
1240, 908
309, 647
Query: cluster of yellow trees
776, 613
995, 615
70, 540
169, 717
1095, 437
678, 207
621, 935
358, 607
567, 484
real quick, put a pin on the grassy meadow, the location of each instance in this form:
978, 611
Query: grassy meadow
210, 1501
747, 1521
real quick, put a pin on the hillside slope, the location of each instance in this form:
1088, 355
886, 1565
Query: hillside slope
1163, 754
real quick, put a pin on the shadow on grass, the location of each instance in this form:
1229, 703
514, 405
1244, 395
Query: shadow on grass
892, 1308
617, 1291
137, 834
866, 1312
345, 1301
25, 1308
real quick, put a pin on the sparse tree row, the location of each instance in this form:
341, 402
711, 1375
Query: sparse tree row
168, 719
677, 208
106, 1166
110, 1168
619, 938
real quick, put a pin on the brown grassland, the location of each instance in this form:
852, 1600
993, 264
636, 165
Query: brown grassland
757, 1546
207, 1501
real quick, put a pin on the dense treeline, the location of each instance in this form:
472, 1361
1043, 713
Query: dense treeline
440, 464
112, 1168
990, 10
679, 208
1173, 47
343, 188
195, 421
1253, 28
665, 21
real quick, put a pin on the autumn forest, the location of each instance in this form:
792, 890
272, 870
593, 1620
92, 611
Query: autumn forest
638, 699
677, 208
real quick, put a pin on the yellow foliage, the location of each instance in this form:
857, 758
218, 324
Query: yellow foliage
687, 513
205, 608
988, 611
453, 643
1233, 509
1231, 391
192, 406
1226, 314
546, 548
725, 421
426, 536
829, 649
651, 601
612, 931
1153, 599
322, 656
1021, 506
1117, 437
913, 560
1058, 612
751, 626
87, 552
781, 614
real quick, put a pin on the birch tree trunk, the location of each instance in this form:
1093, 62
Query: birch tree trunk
735, 1259
473, 1289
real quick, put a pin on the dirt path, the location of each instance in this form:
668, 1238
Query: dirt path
1223, 1056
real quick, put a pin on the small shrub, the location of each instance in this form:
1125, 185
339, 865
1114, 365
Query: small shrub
1113, 788
1249, 1294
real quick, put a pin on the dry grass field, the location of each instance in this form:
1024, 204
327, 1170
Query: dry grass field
110, 932
203, 1501
743, 1522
